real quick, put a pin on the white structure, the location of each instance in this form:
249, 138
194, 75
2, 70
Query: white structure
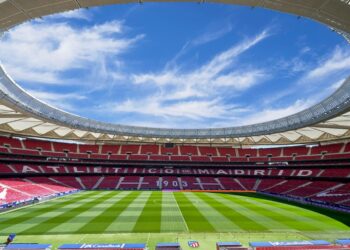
22, 114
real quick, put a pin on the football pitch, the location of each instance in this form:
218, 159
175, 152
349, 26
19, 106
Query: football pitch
154, 216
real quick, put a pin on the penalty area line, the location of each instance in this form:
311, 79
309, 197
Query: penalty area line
182, 216
82, 238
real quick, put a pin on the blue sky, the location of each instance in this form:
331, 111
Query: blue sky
183, 65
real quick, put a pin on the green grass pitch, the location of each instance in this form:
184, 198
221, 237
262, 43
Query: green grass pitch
153, 216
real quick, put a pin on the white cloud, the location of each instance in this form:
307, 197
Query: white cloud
212, 74
41, 52
337, 61
62, 101
213, 34
240, 80
193, 109
197, 94
336, 85
183, 98
81, 14
270, 114
319, 79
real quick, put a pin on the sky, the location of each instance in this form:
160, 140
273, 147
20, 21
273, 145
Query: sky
176, 65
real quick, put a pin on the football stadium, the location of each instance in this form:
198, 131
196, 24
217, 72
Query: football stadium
72, 182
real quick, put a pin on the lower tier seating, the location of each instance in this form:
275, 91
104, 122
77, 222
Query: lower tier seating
19, 189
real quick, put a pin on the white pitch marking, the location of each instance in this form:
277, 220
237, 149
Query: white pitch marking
82, 238
183, 218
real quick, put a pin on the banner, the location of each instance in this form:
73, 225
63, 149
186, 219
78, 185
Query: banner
170, 171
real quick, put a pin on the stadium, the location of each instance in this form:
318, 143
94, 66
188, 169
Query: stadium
70, 182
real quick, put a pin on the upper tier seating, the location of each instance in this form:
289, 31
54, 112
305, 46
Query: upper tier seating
34, 144
227, 151
169, 151
153, 152
13, 143
150, 149
274, 152
331, 149
300, 150
247, 152
130, 149
110, 149
209, 151
62, 147
189, 150
83, 148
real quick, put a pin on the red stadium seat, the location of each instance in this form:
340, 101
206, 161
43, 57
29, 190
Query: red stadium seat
130, 149
188, 150
210, 151
13, 143
299, 150
150, 149
62, 147
112, 149
172, 151
83, 148
247, 151
227, 151
35, 144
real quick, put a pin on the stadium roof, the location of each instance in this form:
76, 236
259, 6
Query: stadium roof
22, 114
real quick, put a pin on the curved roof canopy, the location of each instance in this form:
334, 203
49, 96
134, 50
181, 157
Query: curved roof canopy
22, 114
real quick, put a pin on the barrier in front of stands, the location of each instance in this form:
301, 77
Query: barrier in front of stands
313, 244
229, 246
309, 244
343, 242
30, 246
103, 246
168, 246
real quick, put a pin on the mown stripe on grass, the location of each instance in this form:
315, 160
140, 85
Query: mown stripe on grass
213, 216
172, 219
150, 218
35, 220
270, 211
52, 222
101, 222
243, 222
250, 211
126, 221
36, 206
313, 221
86, 218
18, 217
195, 220
327, 222
41, 206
